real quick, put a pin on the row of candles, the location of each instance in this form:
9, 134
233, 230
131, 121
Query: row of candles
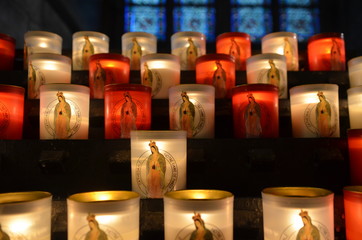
288, 213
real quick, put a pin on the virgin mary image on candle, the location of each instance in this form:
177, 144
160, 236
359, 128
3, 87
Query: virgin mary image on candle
324, 116
187, 115
156, 170
308, 231
95, 232
128, 116
252, 118
62, 115
201, 232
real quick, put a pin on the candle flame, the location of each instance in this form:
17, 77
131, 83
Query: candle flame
43, 45
19, 225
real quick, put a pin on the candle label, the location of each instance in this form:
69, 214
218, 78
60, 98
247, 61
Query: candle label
236, 52
272, 76
219, 80
135, 54
95, 231
4, 117
125, 115
308, 229
290, 52
99, 80
86, 51
336, 56
252, 115
35, 79
189, 115
200, 230
62, 117
152, 78
156, 173
321, 118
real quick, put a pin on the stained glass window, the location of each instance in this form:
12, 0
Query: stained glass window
250, 2
255, 21
146, 2
146, 19
198, 19
194, 2
305, 3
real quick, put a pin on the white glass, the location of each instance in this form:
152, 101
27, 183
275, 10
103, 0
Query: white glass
188, 46
158, 162
191, 214
268, 68
298, 213
46, 68
64, 111
355, 71
315, 110
104, 215
354, 96
137, 44
192, 108
160, 72
283, 43
25, 215
85, 44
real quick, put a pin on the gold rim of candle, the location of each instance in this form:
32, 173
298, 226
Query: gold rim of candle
354, 189
21, 197
297, 192
11, 88
103, 196
199, 194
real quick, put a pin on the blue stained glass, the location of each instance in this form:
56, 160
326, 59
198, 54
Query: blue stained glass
146, 19
194, 2
257, 21
198, 19
304, 22
250, 2
302, 3
146, 2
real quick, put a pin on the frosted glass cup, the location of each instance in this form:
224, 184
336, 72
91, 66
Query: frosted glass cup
354, 96
7, 52
355, 71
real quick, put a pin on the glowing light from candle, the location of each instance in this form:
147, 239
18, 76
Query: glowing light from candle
20, 225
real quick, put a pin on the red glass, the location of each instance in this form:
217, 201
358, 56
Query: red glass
326, 52
355, 155
237, 44
255, 111
126, 107
217, 70
11, 111
7, 52
107, 68
353, 211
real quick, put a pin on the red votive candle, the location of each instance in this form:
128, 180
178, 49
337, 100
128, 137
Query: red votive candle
236, 44
217, 70
7, 52
326, 52
353, 211
107, 68
126, 107
355, 155
255, 111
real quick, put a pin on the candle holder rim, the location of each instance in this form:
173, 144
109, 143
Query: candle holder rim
127, 87
138, 34
325, 35
23, 197
159, 133
12, 88
7, 37
354, 132
69, 85
91, 33
296, 192
279, 34
254, 87
192, 87
233, 34
356, 89
186, 195
160, 56
116, 196
188, 34
313, 87
109, 56
265, 56
42, 34
354, 61
50, 56
214, 57
357, 189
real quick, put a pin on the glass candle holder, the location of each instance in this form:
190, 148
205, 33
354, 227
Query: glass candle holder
217, 70
25, 215
236, 44
47, 68
85, 44
107, 68
11, 111
7, 52
255, 111
315, 110
64, 111
297, 213
137, 44
283, 43
192, 108
326, 52
192, 213
355, 71
354, 96
352, 196
160, 72
270, 68
126, 107
355, 155
158, 162
41, 42
104, 215
188, 46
